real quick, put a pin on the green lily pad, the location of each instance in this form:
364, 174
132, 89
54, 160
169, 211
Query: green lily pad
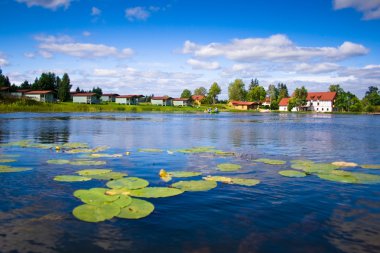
344, 164
90, 213
87, 150
270, 161
338, 178
92, 172
320, 168
70, 178
6, 169
197, 150
151, 150
130, 183
41, 145
106, 155
228, 167
370, 166
195, 185
9, 156
58, 161
123, 201
184, 173
224, 153
87, 163
136, 210
109, 176
74, 145
155, 192
118, 191
226, 180
95, 196
22, 143
7, 160
292, 173
361, 178
229, 180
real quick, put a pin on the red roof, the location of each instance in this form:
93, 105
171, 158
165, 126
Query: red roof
197, 97
161, 98
243, 103
130, 96
39, 92
321, 96
24, 90
110, 94
4, 88
181, 99
267, 100
84, 94
284, 102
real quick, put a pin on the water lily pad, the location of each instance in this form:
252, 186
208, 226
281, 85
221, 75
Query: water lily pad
136, 210
370, 166
119, 191
344, 164
87, 150
92, 172
74, 145
6, 169
366, 178
195, 185
7, 160
22, 143
91, 213
270, 161
155, 192
292, 173
109, 176
228, 167
41, 145
320, 168
338, 178
197, 150
9, 155
95, 196
151, 150
58, 161
226, 180
71, 178
224, 153
184, 173
123, 201
229, 180
129, 183
106, 155
87, 163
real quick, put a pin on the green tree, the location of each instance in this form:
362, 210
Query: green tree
4, 80
25, 85
299, 99
64, 88
272, 92
256, 94
200, 91
372, 96
186, 93
47, 81
77, 90
282, 91
214, 91
98, 91
236, 90
253, 84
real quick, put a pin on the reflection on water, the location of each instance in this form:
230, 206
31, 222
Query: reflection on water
278, 215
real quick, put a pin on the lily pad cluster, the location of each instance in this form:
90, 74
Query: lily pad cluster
270, 161
210, 149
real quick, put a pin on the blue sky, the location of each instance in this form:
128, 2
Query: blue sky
162, 47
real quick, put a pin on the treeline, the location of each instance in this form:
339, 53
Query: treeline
47, 81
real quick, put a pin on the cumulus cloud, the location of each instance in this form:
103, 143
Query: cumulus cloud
369, 8
29, 55
86, 33
3, 61
274, 48
324, 67
66, 45
95, 11
137, 13
48, 4
206, 65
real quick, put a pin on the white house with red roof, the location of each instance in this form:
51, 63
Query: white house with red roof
85, 98
316, 101
41, 95
128, 99
164, 101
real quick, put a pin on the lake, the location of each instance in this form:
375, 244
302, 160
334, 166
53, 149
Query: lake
280, 214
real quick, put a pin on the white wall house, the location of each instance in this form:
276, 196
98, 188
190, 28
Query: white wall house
85, 98
19, 93
283, 105
181, 101
46, 96
163, 101
316, 101
108, 97
128, 99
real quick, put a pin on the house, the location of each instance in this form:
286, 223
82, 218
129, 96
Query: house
197, 99
164, 101
128, 99
315, 101
46, 96
181, 102
19, 93
243, 105
266, 102
108, 97
85, 98
4, 90
283, 105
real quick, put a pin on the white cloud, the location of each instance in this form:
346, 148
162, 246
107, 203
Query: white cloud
48, 4
29, 55
274, 48
317, 68
86, 33
66, 45
137, 13
95, 11
3, 61
369, 8
197, 64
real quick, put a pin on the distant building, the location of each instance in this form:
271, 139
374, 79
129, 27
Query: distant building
197, 99
4, 90
266, 102
181, 102
163, 101
85, 98
46, 96
128, 99
108, 97
19, 93
243, 105
315, 101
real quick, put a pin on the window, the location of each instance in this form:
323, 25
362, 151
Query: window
327, 109
322, 109
318, 103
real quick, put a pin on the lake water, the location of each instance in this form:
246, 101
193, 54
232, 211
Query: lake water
280, 214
